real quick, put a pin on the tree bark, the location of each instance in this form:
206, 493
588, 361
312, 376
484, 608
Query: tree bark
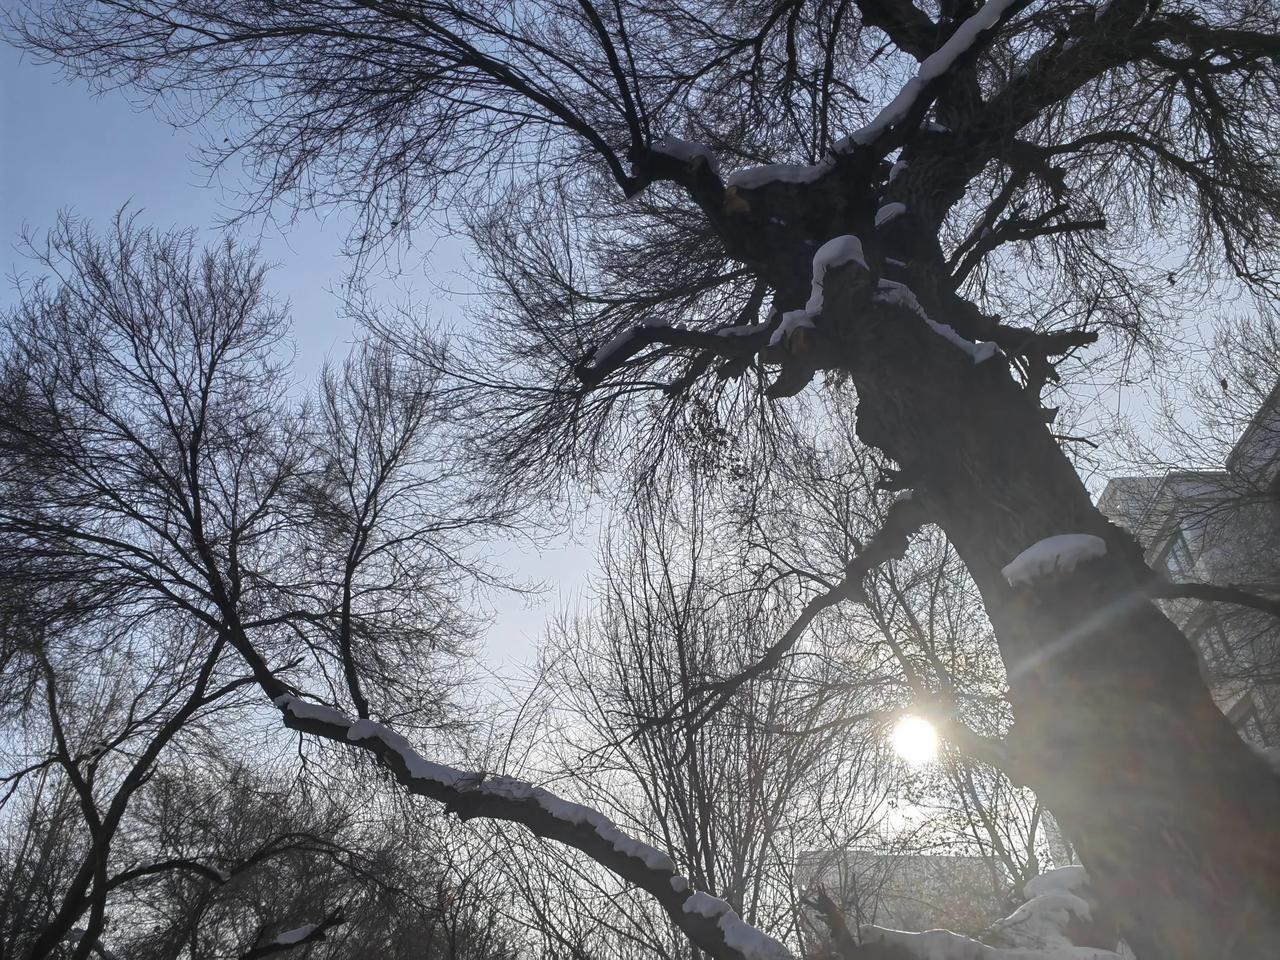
1175, 817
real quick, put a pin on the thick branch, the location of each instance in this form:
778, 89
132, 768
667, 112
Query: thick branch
1216, 593
710, 923
310, 933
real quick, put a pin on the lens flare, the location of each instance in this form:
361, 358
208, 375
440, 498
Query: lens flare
915, 741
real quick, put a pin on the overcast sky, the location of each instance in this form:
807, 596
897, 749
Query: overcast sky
62, 148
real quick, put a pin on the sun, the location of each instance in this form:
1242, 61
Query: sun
915, 741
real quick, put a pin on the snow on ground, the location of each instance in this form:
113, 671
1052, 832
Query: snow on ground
1057, 554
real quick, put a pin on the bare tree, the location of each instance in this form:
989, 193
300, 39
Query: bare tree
164, 497
971, 198
792, 768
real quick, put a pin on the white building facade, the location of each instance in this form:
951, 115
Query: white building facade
1221, 527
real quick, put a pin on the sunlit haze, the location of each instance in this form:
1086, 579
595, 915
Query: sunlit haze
915, 741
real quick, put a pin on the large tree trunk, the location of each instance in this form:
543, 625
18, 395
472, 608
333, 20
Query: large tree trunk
1175, 817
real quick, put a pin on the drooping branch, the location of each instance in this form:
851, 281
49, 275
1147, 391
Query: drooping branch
709, 922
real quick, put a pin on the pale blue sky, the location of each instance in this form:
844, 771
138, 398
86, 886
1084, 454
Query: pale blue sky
62, 148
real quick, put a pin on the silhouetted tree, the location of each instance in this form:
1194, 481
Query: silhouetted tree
972, 194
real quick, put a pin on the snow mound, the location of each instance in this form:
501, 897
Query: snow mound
1057, 554
1069, 879
1043, 920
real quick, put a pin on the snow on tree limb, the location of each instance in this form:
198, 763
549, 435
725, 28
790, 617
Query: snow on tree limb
1056, 554
710, 923
728, 342
899, 294
686, 151
914, 92
297, 937
945, 945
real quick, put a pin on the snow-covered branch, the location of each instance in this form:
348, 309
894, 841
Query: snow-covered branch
728, 342
908, 108
709, 922
297, 937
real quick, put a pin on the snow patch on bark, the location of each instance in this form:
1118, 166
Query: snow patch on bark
1057, 554
792, 321
834, 253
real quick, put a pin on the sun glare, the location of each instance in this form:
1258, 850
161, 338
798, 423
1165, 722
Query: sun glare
915, 741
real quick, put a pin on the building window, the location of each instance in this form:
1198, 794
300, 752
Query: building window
1247, 722
1176, 557
1209, 638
